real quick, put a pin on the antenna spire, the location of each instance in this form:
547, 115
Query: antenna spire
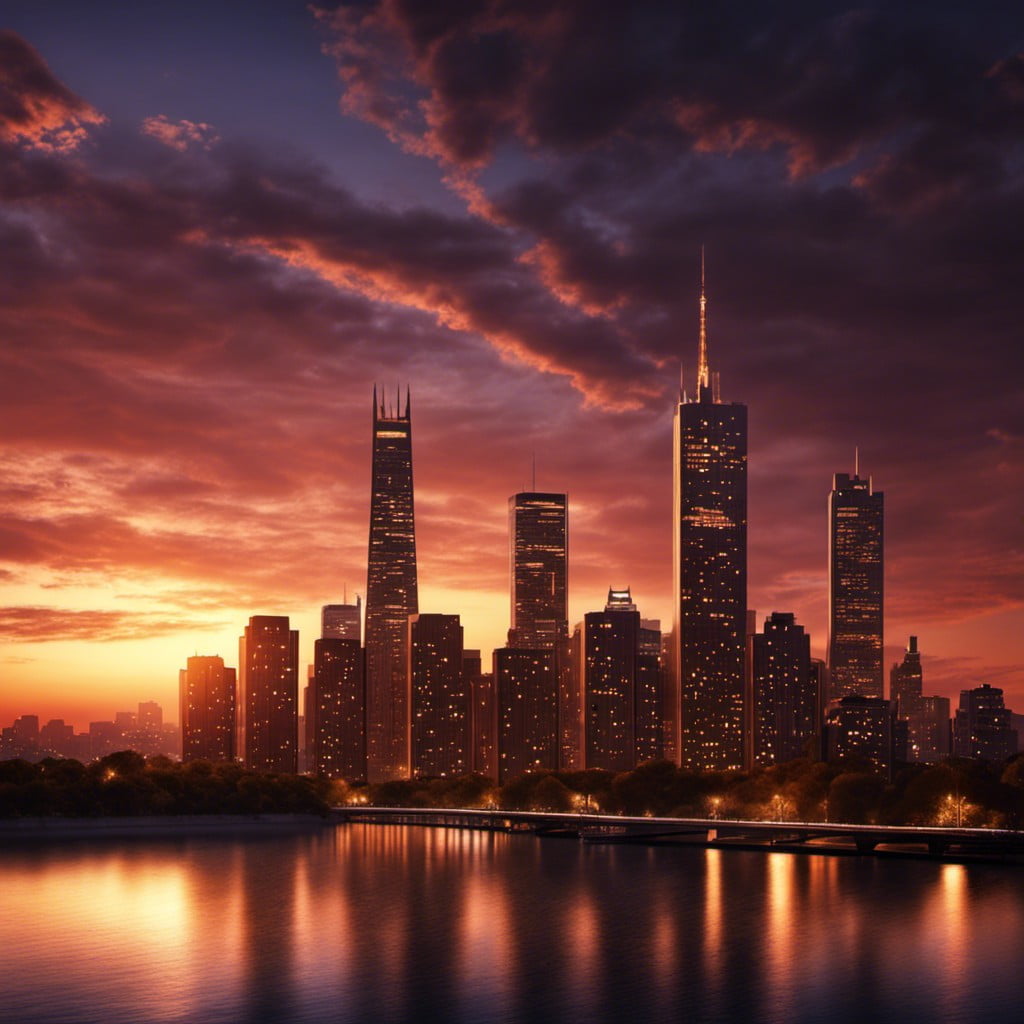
856, 461
703, 374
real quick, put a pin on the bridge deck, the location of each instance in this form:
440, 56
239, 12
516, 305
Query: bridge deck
810, 837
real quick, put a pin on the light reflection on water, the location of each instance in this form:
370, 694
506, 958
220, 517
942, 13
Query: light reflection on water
364, 923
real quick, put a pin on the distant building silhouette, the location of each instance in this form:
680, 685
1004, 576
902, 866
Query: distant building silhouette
927, 718
440, 727
710, 566
341, 621
983, 725
268, 694
784, 699
391, 593
207, 695
336, 710
855, 587
538, 561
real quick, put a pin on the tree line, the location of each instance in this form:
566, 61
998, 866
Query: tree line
126, 784
955, 792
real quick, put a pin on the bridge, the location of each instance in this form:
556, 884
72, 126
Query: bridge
790, 836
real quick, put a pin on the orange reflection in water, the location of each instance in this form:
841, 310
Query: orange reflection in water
127, 926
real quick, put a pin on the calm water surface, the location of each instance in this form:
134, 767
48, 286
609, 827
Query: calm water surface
371, 923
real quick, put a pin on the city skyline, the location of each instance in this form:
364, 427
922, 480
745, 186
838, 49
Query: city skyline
196, 320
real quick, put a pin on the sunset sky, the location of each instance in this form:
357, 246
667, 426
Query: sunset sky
221, 225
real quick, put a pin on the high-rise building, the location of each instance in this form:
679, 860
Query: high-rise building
983, 725
538, 566
341, 621
391, 593
336, 710
855, 587
710, 569
784, 698
440, 724
207, 709
483, 715
610, 648
525, 682
861, 731
268, 694
650, 693
933, 737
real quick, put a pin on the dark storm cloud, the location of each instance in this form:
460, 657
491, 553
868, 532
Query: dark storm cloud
36, 109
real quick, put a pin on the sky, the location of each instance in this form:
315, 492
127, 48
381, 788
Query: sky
222, 225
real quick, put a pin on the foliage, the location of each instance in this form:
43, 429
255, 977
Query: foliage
127, 784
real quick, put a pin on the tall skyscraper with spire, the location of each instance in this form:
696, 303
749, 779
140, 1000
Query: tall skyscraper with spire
855, 586
391, 592
710, 568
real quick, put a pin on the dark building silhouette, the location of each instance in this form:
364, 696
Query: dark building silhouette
341, 621
926, 718
526, 685
855, 587
710, 567
439, 701
620, 666
208, 710
268, 694
391, 593
648, 707
335, 710
983, 725
862, 731
538, 562
784, 698
483, 715
610, 647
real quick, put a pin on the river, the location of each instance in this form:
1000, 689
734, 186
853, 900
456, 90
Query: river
389, 923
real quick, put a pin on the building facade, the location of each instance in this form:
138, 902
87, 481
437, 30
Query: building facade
785, 708
526, 684
983, 725
268, 694
538, 529
440, 713
207, 694
342, 621
391, 593
336, 710
855, 587
710, 570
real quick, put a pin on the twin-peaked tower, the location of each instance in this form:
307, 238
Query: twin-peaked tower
710, 567
391, 592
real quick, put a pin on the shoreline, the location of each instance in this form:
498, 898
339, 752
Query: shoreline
14, 830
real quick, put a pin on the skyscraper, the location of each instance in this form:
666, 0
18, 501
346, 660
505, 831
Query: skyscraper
528, 739
207, 709
391, 593
983, 725
336, 712
710, 567
855, 587
440, 723
268, 694
538, 561
784, 700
